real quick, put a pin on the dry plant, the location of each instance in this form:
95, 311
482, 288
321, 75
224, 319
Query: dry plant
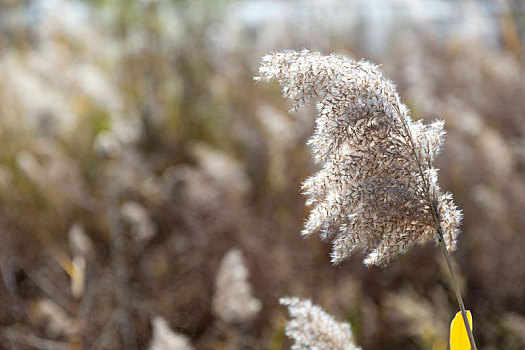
165, 339
377, 188
312, 328
136, 152
233, 301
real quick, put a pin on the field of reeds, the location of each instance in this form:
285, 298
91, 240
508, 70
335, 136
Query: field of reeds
145, 178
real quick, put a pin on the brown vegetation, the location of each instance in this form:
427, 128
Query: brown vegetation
136, 152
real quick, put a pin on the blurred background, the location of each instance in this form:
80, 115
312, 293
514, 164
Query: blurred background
143, 173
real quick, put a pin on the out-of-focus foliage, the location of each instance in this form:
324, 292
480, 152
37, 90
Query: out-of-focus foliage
136, 152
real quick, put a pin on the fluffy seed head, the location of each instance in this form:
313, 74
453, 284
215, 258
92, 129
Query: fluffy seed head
376, 185
312, 328
233, 301
164, 338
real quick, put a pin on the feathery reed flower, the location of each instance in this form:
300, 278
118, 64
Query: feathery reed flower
166, 339
377, 187
312, 328
233, 301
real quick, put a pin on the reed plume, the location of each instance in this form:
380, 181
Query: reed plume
164, 338
377, 187
233, 301
312, 328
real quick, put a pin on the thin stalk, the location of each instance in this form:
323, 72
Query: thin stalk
456, 290
439, 234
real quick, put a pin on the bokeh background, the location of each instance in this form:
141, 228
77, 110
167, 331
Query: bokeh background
136, 151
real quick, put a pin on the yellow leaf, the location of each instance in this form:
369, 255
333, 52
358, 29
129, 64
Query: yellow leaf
458, 333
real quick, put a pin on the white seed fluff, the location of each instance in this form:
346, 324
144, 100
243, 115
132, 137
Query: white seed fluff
313, 329
376, 185
233, 301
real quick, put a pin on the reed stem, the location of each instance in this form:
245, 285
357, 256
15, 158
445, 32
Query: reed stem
439, 234
456, 289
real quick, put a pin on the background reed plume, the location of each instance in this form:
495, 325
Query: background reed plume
377, 187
